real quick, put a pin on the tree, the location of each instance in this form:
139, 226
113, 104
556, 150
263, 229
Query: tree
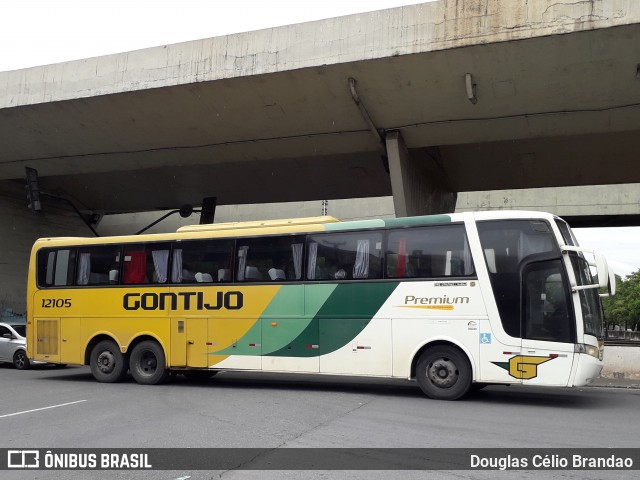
624, 308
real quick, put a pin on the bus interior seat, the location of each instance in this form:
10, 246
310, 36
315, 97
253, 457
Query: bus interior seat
203, 277
224, 274
277, 274
98, 278
252, 273
113, 276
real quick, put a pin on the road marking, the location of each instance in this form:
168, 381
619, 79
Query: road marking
43, 408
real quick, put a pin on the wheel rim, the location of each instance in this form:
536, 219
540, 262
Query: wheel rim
443, 373
20, 360
148, 363
106, 362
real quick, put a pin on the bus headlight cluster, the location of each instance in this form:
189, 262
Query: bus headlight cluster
589, 350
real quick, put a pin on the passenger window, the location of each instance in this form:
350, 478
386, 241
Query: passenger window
56, 267
344, 256
145, 264
441, 251
98, 265
202, 261
270, 259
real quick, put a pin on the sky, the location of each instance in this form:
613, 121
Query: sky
41, 32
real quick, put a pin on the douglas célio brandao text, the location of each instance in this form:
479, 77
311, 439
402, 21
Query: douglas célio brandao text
550, 461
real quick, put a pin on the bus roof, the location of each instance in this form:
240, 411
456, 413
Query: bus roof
289, 226
257, 224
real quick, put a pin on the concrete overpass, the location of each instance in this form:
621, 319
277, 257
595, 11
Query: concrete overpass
423, 103
449, 96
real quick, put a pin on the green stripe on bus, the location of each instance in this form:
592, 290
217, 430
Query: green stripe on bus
346, 312
349, 310
417, 221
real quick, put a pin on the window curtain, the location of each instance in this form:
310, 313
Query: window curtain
361, 267
84, 268
135, 270
176, 267
242, 262
296, 249
402, 258
466, 257
160, 265
528, 244
311, 261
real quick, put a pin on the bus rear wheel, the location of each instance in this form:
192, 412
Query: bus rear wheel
148, 363
108, 364
443, 373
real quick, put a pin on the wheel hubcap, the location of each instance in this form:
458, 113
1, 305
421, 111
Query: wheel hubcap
106, 362
20, 360
148, 363
442, 373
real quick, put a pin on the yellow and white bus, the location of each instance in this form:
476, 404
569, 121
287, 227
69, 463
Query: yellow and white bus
453, 301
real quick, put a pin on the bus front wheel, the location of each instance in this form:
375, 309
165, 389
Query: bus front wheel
108, 364
148, 363
443, 373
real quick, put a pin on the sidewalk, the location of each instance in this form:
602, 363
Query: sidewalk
616, 382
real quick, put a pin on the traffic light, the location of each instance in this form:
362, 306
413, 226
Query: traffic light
33, 189
208, 211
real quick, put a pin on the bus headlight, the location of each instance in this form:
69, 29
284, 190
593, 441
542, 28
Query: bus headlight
588, 349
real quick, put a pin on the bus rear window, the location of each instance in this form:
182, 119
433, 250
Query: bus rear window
56, 267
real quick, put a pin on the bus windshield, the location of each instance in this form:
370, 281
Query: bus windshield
590, 303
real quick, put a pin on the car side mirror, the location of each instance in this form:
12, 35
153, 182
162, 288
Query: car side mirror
8, 335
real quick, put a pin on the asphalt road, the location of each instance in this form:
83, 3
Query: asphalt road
50, 408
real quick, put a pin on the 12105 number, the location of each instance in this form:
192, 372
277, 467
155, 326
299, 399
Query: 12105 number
56, 302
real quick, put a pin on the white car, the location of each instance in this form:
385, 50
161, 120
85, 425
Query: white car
13, 345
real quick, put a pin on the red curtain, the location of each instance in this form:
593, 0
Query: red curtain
402, 258
135, 269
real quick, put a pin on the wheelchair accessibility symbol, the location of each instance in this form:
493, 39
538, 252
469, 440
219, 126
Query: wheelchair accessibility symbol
485, 338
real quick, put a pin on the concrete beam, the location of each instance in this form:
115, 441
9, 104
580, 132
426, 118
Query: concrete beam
585, 206
418, 182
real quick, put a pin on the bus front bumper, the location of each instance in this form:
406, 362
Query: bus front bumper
587, 371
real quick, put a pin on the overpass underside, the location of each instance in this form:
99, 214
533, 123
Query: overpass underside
421, 103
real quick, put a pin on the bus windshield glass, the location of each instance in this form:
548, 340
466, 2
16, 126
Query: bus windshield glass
590, 303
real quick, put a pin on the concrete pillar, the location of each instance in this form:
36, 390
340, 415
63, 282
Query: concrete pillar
21, 228
418, 183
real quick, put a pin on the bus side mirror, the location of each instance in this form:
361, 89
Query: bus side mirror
609, 280
606, 277
603, 270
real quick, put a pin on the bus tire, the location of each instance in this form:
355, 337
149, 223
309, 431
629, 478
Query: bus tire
20, 360
108, 364
443, 373
148, 363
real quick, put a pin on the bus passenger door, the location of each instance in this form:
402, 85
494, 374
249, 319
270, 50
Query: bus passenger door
548, 325
196, 345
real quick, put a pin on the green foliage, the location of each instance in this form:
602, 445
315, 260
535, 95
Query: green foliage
624, 308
